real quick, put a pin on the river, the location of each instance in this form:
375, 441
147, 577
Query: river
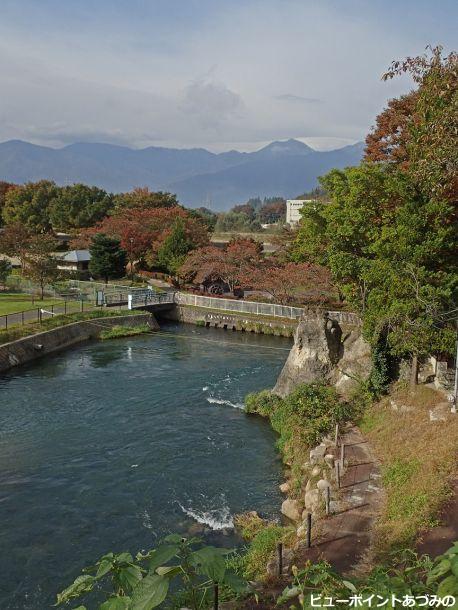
111, 445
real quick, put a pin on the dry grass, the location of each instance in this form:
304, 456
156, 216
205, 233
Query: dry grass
418, 457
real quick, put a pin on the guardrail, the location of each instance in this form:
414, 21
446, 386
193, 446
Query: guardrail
252, 307
38, 314
143, 298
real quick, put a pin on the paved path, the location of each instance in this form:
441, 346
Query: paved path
438, 539
343, 538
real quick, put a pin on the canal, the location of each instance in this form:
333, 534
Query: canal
111, 445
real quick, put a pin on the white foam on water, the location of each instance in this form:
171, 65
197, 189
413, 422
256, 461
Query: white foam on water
216, 519
221, 401
205, 388
146, 520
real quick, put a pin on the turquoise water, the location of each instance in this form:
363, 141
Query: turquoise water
111, 445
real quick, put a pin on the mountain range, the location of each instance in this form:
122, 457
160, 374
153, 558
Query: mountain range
198, 176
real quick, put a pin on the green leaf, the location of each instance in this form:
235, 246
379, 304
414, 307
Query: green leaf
163, 554
442, 568
349, 585
105, 565
169, 571
150, 592
449, 586
128, 577
454, 563
81, 585
116, 603
173, 539
124, 558
210, 562
235, 582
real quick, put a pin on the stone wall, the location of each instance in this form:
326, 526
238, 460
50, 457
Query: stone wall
36, 346
326, 349
202, 316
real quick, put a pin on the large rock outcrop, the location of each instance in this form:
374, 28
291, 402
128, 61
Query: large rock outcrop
328, 346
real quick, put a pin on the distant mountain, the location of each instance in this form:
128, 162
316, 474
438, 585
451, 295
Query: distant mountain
197, 176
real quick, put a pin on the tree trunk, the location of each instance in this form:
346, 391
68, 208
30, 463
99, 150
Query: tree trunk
42, 291
414, 372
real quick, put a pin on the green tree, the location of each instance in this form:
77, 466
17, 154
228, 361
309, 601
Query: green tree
40, 265
108, 259
5, 270
28, 205
172, 253
78, 206
145, 199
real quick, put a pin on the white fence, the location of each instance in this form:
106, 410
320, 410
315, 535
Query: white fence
261, 309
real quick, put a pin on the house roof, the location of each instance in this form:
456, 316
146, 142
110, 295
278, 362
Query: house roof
77, 256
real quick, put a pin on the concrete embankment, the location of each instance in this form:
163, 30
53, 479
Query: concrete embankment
202, 316
36, 346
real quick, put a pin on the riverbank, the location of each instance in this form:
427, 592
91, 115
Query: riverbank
243, 322
63, 334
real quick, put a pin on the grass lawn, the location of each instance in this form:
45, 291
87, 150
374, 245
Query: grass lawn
10, 302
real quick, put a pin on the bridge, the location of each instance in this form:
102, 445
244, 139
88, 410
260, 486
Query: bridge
162, 300
140, 299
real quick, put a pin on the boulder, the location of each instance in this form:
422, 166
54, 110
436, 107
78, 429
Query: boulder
316, 471
285, 487
329, 460
317, 454
312, 500
292, 509
308, 486
323, 485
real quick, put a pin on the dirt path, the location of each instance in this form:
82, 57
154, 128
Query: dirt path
344, 537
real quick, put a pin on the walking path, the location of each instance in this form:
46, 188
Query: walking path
344, 537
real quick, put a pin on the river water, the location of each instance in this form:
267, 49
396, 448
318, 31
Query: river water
111, 445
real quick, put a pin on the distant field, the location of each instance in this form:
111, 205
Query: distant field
11, 302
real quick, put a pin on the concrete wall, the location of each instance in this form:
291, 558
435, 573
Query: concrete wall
36, 346
204, 317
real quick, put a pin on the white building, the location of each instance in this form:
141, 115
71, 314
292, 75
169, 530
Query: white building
293, 209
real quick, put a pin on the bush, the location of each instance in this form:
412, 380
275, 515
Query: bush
262, 549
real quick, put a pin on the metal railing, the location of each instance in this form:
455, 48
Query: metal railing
251, 307
143, 298
36, 315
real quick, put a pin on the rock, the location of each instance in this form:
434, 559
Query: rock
323, 485
285, 487
272, 568
301, 531
305, 512
317, 454
292, 509
329, 350
308, 486
312, 500
316, 471
329, 460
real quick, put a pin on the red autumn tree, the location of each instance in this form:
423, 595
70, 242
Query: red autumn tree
229, 265
15, 240
143, 198
143, 231
290, 282
389, 138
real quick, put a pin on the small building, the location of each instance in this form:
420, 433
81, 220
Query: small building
74, 260
293, 209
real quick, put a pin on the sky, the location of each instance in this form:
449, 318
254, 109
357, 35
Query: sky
218, 74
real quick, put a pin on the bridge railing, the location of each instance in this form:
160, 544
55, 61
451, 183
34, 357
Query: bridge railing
143, 298
251, 307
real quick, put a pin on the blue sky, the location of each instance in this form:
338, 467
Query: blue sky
213, 73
